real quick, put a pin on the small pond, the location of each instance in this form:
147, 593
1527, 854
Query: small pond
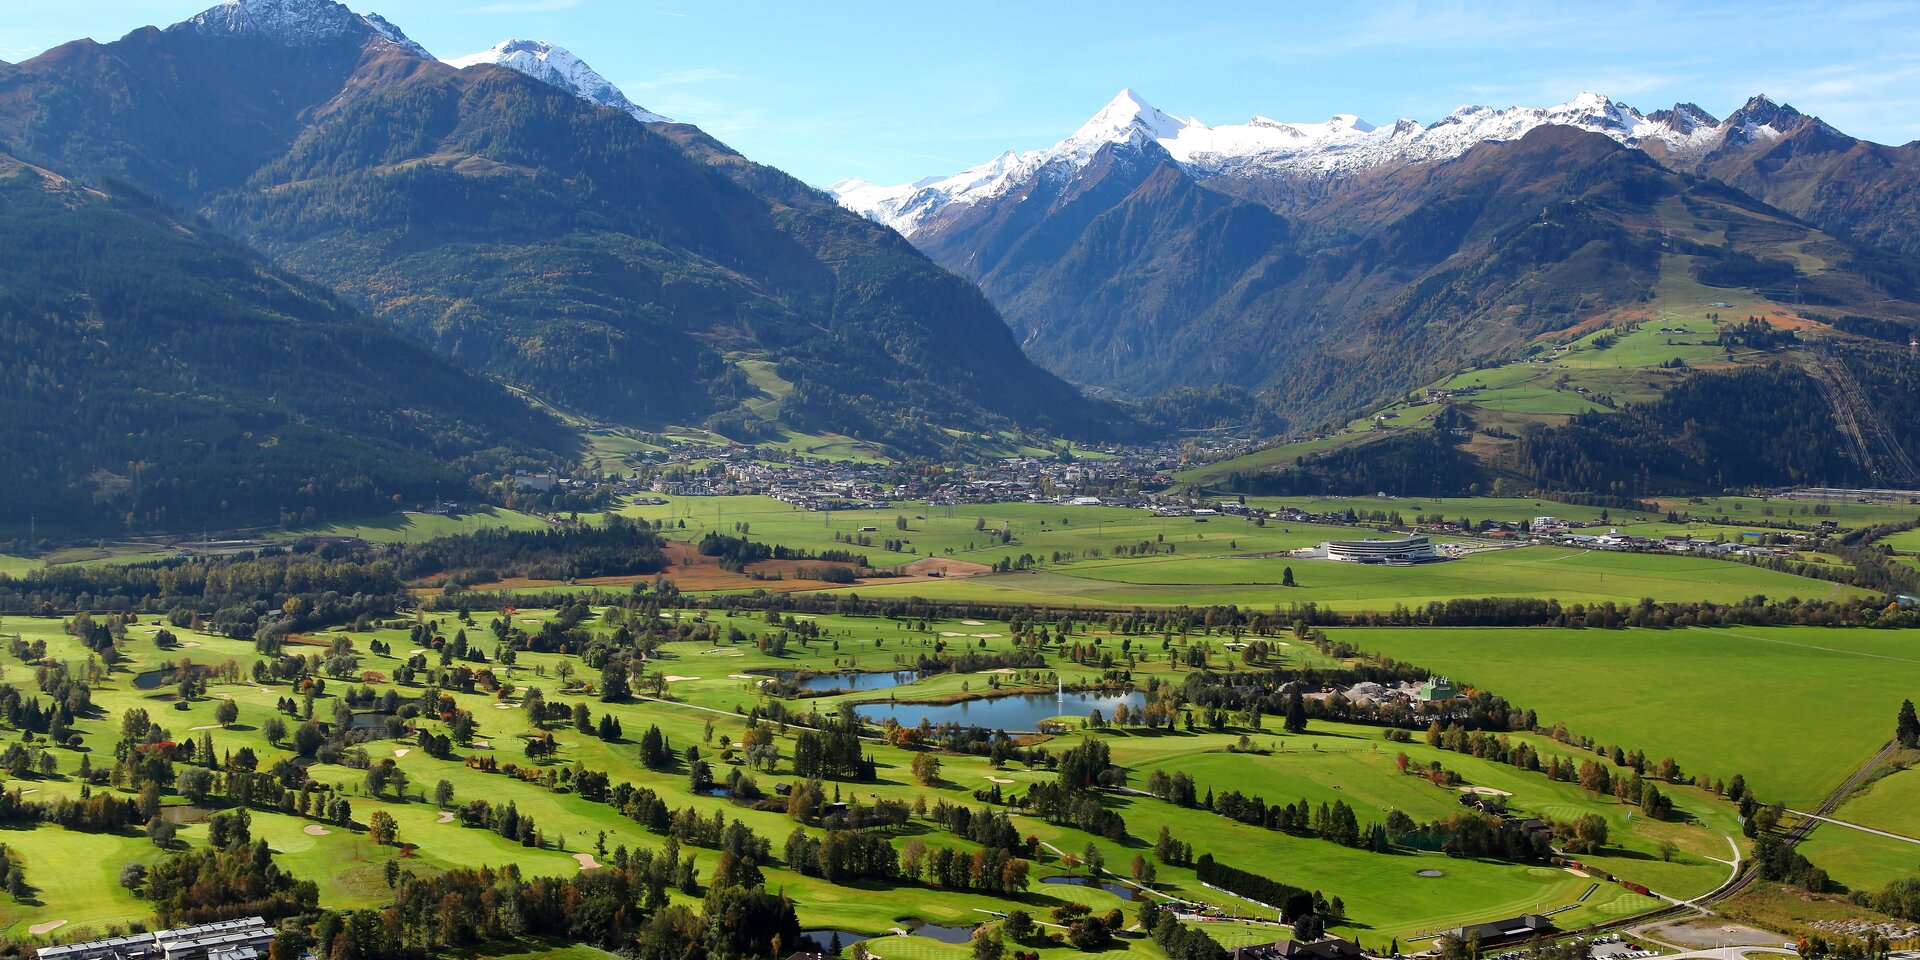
1120, 890
934, 931
823, 939
155, 679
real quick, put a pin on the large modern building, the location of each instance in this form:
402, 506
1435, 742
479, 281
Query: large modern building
229, 940
1501, 932
1402, 550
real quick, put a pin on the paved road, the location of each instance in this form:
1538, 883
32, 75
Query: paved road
1727, 953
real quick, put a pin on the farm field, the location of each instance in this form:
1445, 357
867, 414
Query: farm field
1906, 541
1794, 709
969, 532
1571, 576
711, 682
1861, 861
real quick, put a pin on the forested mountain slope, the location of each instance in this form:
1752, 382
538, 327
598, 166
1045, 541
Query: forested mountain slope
157, 375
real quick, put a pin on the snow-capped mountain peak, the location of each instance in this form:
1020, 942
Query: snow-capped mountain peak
386, 28
1125, 116
293, 22
1762, 119
558, 66
1340, 145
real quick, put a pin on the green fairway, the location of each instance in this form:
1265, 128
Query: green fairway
411, 527
1794, 709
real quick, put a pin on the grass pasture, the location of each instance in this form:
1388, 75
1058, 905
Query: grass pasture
1794, 709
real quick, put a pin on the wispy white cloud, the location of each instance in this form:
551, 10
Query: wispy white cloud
528, 6
684, 78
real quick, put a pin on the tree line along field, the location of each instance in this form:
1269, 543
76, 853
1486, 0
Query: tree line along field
1384, 894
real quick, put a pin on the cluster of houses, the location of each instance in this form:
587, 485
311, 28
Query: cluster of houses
1119, 477
1671, 543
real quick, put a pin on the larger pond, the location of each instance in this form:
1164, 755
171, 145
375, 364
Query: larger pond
822, 682
1018, 711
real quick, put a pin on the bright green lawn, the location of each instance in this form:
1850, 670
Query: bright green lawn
1795, 709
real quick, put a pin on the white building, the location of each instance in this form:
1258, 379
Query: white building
1402, 550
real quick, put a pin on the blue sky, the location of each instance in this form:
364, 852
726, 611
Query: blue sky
894, 91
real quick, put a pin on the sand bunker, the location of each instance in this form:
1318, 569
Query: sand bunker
42, 929
315, 830
998, 779
483, 744
986, 636
586, 861
1486, 791
741, 676
503, 706
205, 726
403, 751
949, 633
416, 650
972, 623
184, 643
674, 678
445, 817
